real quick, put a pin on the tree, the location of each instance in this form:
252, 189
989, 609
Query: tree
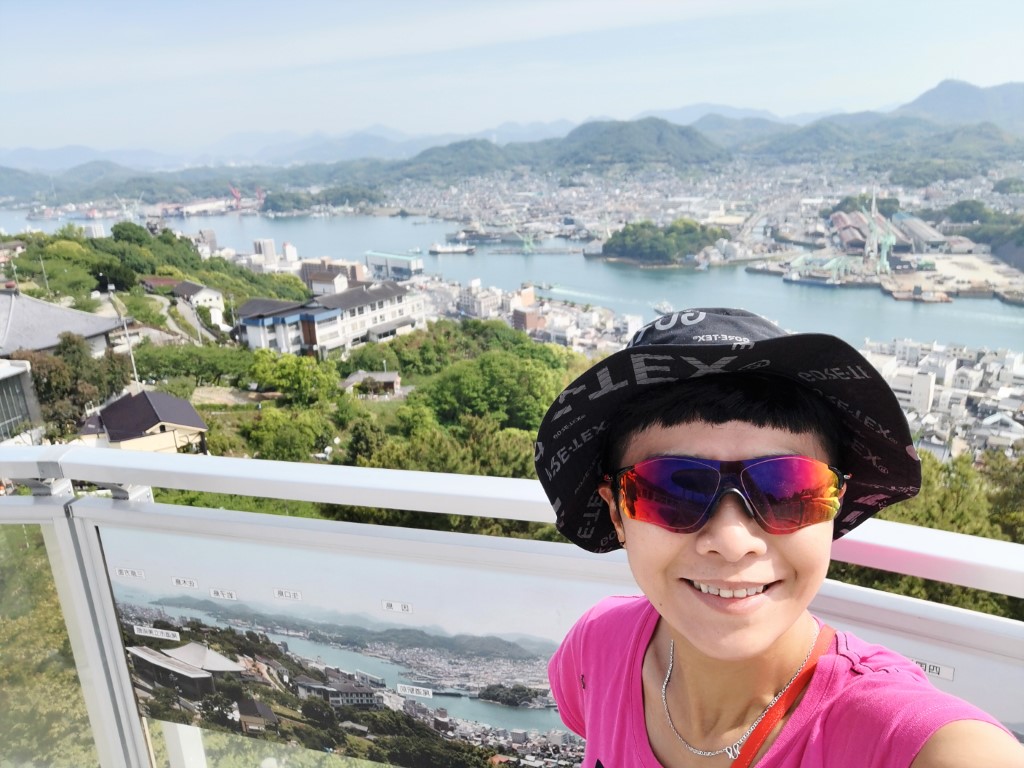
129, 232
346, 410
320, 713
968, 211
107, 273
370, 357
306, 380
647, 242
71, 378
1005, 478
216, 708
516, 391
366, 438
953, 497
284, 435
163, 705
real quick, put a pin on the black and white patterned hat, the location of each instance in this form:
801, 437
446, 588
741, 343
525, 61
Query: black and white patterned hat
879, 453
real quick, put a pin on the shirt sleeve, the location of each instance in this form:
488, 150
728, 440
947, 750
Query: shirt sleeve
568, 682
885, 718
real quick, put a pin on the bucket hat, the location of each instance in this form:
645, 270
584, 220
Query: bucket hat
878, 453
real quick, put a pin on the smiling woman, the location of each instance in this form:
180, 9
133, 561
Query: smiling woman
726, 479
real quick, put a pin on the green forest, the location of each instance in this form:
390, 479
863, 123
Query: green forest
674, 245
67, 266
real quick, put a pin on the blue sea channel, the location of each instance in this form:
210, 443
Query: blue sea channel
473, 710
852, 314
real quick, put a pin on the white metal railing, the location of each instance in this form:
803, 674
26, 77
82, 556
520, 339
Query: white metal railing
552, 583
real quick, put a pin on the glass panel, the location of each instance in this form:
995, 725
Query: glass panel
43, 720
410, 660
213, 749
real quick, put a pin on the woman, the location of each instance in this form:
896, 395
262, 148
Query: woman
725, 456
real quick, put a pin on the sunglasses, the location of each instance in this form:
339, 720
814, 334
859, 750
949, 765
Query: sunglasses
680, 493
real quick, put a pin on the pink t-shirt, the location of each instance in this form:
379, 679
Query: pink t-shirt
865, 706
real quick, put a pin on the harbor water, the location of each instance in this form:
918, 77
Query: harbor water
852, 314
464, 708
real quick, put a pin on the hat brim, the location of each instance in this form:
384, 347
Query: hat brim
879, 454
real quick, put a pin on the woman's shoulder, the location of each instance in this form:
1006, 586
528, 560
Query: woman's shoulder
863, 658
612, 620
617, 608
863, 688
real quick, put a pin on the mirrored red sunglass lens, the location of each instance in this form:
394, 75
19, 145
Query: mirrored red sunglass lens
670, 492
791, 492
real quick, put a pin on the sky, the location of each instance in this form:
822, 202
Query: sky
184, 76
487, 594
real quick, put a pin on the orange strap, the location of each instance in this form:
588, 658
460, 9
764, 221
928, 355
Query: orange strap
782, 706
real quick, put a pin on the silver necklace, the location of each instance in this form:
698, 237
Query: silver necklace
732, 750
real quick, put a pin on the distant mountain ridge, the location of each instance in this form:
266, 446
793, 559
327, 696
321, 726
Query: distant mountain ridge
915, 150
957, 102
403, 637
951, 102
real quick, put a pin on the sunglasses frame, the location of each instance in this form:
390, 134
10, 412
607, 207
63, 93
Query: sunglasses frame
730, 480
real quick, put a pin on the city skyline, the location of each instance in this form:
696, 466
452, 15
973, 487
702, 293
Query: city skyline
114, 75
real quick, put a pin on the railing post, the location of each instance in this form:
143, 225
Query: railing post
80, 585
184, 745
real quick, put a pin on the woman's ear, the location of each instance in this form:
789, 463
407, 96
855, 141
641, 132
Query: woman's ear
608, 495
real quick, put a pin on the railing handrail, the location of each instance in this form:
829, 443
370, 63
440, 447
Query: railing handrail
955, 558
85, 542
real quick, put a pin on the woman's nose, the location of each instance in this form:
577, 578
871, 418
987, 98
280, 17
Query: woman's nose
732, 531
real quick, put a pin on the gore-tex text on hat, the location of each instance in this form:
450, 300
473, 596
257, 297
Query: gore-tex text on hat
666, 322
845, 372
561, 456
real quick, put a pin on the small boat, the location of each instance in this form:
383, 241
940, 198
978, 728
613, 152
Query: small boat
438, 248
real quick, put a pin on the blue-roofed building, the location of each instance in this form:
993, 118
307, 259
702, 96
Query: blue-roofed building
340, 321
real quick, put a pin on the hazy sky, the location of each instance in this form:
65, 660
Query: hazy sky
183, 75
479, 598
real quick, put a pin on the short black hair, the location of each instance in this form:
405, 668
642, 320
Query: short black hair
759, 399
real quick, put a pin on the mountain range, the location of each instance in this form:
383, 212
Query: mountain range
950, 103
360, 630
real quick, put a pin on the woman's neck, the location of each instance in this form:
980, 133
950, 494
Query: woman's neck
713, 702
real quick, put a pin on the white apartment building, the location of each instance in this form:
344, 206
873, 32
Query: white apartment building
340, 321
266, 249
478, 302
915, 389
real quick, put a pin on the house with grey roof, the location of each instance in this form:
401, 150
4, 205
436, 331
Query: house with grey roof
201, 296
255, 716
191, 668
32, 324
147, 421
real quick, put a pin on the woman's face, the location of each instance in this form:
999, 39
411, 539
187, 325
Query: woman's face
776, 574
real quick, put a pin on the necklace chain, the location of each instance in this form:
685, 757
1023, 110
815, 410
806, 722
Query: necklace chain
733, 750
